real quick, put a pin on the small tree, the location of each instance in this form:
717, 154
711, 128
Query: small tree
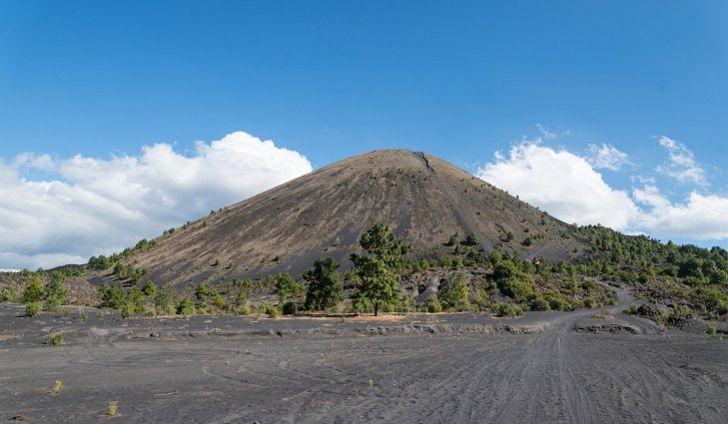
112, 297
380, 241
325, 289
149, 289
55, 292
286, 287
378, 283
454, 294
33, 290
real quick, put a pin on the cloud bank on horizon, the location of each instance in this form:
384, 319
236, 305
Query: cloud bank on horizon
89, 206
94, 206
570, 187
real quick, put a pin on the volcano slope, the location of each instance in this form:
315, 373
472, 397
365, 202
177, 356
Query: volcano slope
584, 366
424, 199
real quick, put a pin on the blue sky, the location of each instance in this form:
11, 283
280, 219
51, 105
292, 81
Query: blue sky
331, 79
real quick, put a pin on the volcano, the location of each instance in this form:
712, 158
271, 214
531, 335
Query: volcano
425, 200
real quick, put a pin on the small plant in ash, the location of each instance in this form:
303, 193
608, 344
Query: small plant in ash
57, 385
55, 339
112, 409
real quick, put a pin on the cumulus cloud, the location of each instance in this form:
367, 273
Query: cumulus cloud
562, 183
606, 156
569, 187
681, 164
95, 206
702, 217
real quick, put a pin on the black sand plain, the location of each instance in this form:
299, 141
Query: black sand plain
586, 366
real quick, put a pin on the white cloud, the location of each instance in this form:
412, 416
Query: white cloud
564, 184
569, 187
700, 217
43, 162
607, 156
682, 164
102, 205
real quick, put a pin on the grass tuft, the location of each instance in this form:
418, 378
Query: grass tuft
111, 410
55, 339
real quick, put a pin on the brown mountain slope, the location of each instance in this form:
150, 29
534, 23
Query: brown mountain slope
424, 199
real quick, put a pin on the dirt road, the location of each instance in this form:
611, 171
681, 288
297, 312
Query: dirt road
570, 368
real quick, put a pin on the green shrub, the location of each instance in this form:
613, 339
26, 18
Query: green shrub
241, 299
481, 299
454, 294
325, 289
404, 304
243, 310
164, 297
710, 300
286, 287
185, 307
149, 289
590, 303
507, 309
518, 288
55, 292
540, 304
361, 304
8, 294
557, 301
55, 339
711, 330
203, 291
267, 308
219, 302
572, 286
112, 297
32, 309
127, 310
433, 305
33, 290
678, 315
